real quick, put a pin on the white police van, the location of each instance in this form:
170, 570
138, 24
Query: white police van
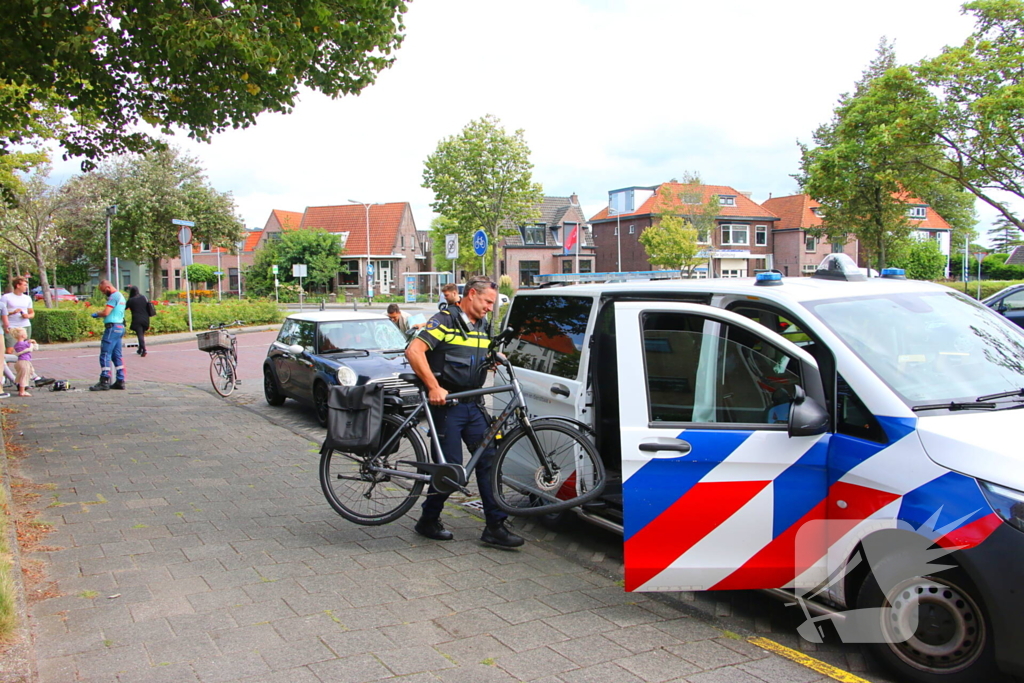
828, 436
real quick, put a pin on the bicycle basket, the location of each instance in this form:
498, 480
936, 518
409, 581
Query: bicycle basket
214, 340
354, 418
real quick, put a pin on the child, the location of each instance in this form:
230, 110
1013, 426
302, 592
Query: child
23, 347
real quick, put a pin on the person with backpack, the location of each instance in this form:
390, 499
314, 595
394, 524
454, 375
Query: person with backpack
142, 310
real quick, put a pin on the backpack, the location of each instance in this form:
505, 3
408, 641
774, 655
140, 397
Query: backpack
354, 418
150, 309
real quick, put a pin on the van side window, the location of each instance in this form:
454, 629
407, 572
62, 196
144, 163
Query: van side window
854, 419
699, 370
550, 332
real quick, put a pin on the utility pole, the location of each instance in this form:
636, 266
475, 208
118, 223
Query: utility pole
111, 210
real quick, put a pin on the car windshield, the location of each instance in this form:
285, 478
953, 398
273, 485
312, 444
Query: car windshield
930, 347
370, 335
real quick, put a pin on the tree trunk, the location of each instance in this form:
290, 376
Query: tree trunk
44, 280
155, 279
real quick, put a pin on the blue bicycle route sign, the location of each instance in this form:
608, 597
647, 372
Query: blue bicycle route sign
480, 242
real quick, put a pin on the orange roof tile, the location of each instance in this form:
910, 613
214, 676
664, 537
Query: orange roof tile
252, 238
289, 220
384, 219
745, 206
794, 211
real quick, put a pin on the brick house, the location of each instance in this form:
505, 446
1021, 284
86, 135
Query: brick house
231, 264
538, 248
739, 244
796, 252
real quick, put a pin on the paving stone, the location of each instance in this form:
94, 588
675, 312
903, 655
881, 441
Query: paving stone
607, 672
109, 662
779, 670
409, 660
474, 649
528, 636
640, 638
707, 654
476, 673
348, 643
231, 667
533, 664
296, 654
657, 666
355, 669
471, 622
590, 650
182, 649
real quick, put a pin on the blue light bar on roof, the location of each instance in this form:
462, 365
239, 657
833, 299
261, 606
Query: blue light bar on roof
768, 279
894, 273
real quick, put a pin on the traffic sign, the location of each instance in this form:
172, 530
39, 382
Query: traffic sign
369, 269
299, 270
218, 273
178, 221
184, 235
980, 255
480, 242
451, 247
273, 269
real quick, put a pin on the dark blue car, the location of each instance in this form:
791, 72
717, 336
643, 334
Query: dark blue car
314, 351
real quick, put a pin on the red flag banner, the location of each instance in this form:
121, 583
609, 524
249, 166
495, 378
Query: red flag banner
570, 240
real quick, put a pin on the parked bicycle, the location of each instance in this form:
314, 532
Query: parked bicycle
222, 346
542, 465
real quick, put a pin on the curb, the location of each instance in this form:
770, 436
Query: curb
172, 338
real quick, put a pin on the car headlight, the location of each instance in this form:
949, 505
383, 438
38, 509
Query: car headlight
347, 376
1007, 503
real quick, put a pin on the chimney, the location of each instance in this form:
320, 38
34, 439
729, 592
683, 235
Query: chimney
574, 200
746, 193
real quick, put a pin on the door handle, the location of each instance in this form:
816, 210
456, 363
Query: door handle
560, 390
680, 447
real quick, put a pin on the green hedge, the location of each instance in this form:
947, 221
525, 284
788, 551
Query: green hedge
988, 287
73, 322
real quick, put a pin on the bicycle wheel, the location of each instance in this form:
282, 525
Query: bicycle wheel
364, 496
222, 373
568, 474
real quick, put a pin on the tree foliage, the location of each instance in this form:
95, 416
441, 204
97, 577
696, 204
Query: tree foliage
922, 259
319, 250
865, 167
482, 179
150, 191
684, 220
204, 66
467, 258
201, 272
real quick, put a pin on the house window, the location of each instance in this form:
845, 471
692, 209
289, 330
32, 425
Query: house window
343, 239
163, 280
401, 241
615, 231
233, 279
126, 278
918, 212
733, 272
632, 229
703, 236
817, 211
810, 243
726, 200
351, 278
837, 247
566, 266
735, 234
808, 268
527, 269
586, 266
204, 247
177, 278
761, 235
533, 234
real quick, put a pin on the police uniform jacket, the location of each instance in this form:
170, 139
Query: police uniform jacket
458, 349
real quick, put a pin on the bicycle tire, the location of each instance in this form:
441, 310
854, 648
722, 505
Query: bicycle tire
222, 373
520, 482
368, 498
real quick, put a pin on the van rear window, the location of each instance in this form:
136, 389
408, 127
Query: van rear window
550, 331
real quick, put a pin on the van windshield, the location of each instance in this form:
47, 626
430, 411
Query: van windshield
929, 347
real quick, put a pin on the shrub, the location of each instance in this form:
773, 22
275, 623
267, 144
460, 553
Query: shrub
988, 287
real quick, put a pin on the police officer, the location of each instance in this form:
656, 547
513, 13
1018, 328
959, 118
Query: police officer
454, 344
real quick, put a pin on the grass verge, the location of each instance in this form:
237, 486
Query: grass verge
8, 588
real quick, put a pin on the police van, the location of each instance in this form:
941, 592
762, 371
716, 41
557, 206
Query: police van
845, 439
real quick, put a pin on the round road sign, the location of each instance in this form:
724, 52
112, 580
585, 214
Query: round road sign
184, 235
480, 242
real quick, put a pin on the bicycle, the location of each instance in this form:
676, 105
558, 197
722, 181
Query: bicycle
542, 465
222, 346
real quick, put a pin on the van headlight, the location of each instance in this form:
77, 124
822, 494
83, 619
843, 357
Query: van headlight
347, 376
1007, 503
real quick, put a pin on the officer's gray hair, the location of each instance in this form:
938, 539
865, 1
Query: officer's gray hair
479, 283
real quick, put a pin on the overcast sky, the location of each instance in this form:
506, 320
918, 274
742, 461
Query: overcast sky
610, 93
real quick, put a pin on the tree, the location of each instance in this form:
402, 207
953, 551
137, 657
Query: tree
443, 226
34, 224
864, 169
482, 179
150, 191
684, 220
922, 259
111, 64
1004, 236
319, 250
201, 272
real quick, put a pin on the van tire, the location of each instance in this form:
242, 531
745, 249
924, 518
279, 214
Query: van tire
953, 643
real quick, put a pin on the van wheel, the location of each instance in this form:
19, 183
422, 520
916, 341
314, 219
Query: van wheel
953, 641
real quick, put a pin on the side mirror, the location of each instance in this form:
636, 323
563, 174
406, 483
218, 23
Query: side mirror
806, 416
297, 349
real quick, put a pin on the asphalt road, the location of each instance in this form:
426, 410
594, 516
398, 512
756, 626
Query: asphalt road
745, 612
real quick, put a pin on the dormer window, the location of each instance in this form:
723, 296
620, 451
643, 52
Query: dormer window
726, 200
533, 235
204, 247
818, 212
342, 239
918, 212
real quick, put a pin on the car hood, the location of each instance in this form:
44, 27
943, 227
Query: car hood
373, 366
981, 445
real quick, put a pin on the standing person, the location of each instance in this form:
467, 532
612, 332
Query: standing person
454, 343
401, 319
139, 306
20, 312
113, 332
23, 348
450, 292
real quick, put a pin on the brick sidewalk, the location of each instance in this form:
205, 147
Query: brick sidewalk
197, 547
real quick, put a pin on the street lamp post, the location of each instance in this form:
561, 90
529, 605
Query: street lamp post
618, 239
111, 210
365, 205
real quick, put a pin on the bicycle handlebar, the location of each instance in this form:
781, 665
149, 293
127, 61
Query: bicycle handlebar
221, 326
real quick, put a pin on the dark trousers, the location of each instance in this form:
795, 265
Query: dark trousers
458, 424
140, 332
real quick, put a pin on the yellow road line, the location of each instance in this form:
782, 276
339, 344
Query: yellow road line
821, 667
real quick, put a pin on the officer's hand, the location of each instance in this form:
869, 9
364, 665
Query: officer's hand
438, 396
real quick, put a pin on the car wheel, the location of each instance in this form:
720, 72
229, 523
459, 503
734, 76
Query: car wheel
952, 639
320, 394
270, 391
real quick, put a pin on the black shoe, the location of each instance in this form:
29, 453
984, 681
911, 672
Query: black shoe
102, 385
43, 381
144, 354
119, 384
500, 536
432, 528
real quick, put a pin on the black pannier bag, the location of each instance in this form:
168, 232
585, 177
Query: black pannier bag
354, 418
